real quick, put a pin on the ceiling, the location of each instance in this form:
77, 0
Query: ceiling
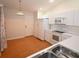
30, 5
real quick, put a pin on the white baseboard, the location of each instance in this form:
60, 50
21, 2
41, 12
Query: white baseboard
15, 37
18, 37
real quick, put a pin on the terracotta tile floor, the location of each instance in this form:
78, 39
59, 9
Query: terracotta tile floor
23, 47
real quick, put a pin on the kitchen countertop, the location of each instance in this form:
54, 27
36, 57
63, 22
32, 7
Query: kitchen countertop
71, 43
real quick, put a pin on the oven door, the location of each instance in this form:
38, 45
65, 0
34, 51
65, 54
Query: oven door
55, 37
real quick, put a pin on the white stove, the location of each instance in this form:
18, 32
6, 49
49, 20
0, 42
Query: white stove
57, 36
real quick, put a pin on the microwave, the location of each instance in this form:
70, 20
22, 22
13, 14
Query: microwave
59, 20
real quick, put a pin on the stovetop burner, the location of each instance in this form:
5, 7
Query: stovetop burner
59, 31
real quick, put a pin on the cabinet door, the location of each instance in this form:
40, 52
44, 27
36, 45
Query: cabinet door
76, 18
51, 20
69, 18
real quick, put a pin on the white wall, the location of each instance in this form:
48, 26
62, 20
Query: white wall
15, 25
35, 25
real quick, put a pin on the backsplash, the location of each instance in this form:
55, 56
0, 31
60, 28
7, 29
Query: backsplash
66, 28
72, 29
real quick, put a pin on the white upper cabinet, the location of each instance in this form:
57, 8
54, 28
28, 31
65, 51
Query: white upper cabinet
72, 18
51, 20
76, 18
69, 18
66, 18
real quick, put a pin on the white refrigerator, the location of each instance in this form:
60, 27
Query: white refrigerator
43, 25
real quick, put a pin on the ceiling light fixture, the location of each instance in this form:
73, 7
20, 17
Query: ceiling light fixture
20, 11
40, 9
51, 1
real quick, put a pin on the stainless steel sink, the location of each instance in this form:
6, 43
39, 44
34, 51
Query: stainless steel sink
63, 52
47, 55
58, 51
